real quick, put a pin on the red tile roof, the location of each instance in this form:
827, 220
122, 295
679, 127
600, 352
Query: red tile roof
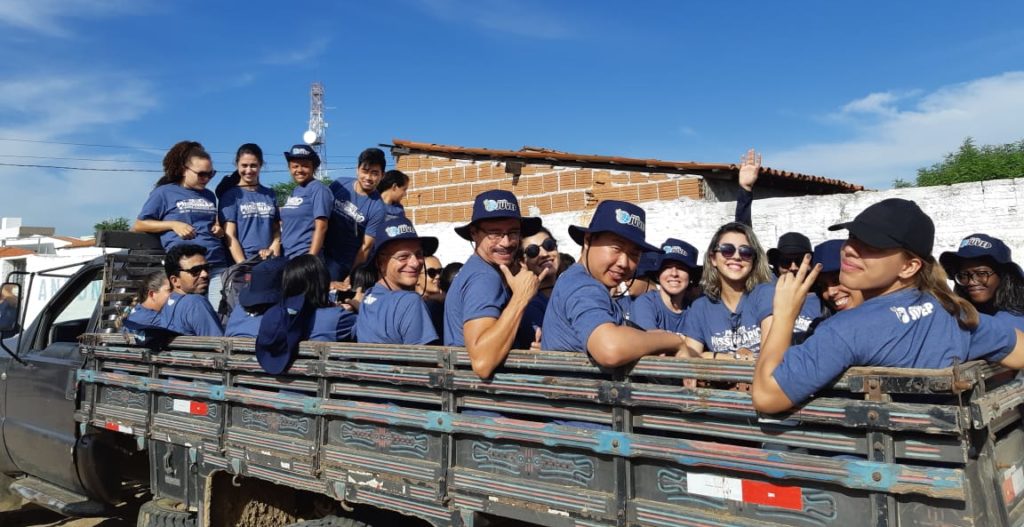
539, 155
9, 252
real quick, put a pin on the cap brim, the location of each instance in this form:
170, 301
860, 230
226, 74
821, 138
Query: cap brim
463, 231
949, 262
867, 235
577, 233
250, 298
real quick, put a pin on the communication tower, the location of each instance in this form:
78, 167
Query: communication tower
316, 135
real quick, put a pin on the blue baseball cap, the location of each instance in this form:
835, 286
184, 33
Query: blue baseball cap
979, 246
264, 283
827, 254
400, 229
301, 151
675, 250
618, 217
496, 205
283, 327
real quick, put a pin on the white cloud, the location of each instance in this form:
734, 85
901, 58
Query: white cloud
505, 16
307, 52
898, 140
48, 16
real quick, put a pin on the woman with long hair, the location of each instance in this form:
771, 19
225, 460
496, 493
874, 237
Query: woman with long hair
724, 323
248, 209
986, 276
306, 275
909, 319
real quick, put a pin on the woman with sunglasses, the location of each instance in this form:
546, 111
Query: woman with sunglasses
986, 276
540, 253
249, 210
429, 288
724, 322
391, 311
674, 269
181, 209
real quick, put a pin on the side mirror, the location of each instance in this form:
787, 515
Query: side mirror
10, 306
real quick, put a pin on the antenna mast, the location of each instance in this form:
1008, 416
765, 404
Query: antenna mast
316, 135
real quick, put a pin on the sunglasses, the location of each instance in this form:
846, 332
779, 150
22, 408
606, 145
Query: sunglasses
433, 272
728, 250
533, 249
197, 270
784, 261
207, 175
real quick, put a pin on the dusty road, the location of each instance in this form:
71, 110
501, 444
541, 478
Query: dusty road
32, 516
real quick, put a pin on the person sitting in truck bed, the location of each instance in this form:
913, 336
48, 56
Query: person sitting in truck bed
391, 311
187, 311
264, 290
581, 315
909, 319
987, 277
150, 299
306, 275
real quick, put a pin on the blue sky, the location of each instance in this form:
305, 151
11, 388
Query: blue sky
865, 91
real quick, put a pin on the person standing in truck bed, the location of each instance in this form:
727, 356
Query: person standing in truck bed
249, 210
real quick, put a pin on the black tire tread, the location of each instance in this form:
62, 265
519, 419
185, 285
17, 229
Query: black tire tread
156, 513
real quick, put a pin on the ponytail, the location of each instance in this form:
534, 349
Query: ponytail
177, 158
932, 279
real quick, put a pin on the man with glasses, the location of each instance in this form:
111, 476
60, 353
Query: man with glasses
187, 311
358, 214
486, 302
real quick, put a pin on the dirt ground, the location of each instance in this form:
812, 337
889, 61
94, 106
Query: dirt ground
31, 516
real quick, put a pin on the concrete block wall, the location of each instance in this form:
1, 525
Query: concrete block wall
994, 207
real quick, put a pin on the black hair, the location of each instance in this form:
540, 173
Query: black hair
372, 156
172, 261
231, 180
1009, 295
364, 276
252, 149
448, 275
392, 178
177, 158
151, 282
565, 261
307, 275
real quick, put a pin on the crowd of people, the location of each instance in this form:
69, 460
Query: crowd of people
341, 262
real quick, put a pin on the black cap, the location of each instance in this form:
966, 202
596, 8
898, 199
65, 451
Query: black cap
894, 224
790, 243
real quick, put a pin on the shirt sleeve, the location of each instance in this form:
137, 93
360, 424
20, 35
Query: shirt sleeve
323, 202
374, 220
229, 207
154, 207
644, 312
761, 300
346, 326
200, 317
744, 200
693, 325
483, 297
589, 308
415, 323
807, 368
992, 340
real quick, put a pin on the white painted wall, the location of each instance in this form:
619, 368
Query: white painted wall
994, 207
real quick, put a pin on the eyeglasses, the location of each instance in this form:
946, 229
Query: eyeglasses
433, 272
207, 174
533, 250
979, 277
197, 270
498, 235
787, 261
405, 256
728, 250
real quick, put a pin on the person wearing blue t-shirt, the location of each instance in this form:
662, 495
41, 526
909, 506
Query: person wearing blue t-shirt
485, 304
909, 319
674, 269
187, 311
306, 275
986, 276
263, 291
392, 312
153, 294
581, 315
833, 295
248, 209
357, 213
305, 213
724, 322
539, 254
392, 189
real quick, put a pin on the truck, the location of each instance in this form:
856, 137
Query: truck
362, 434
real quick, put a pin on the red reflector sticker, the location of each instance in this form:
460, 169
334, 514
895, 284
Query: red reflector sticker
197, 408
772, 495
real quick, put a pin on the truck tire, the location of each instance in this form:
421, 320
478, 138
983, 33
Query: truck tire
160, 513
330, 521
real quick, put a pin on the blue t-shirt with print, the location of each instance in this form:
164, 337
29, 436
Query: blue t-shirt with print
306, 204
1017, 321
190, 315
353, 216
533, 319
578, 305
242, 323
393, 210
720, 330
650, 312
198, 208
394, 317
333, 324
140, 319
905, 329
478, 291
254, 213
764, 295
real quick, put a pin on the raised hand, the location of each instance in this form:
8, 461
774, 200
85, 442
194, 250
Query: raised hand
791, 290
750, 168
523, 284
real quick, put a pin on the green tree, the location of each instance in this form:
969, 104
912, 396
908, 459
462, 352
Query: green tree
974, 163
902, 183
285, 188
113, 224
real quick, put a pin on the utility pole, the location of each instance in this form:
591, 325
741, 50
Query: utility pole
316, 134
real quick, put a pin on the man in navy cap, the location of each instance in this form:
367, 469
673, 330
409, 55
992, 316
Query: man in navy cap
485, 304
581, 315
187, 311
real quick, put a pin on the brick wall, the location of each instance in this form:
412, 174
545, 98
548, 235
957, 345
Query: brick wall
442, 190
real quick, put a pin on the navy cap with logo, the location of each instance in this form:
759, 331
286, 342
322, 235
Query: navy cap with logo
283, 327
618, 217
675, 250
790, 243
979, 246
827, 254
894, 223
264, 283
400, 229
301, 151
496, 205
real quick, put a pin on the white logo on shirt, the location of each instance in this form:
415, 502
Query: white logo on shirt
256, 208
293, 201
909, 314
195, 205
349, 209
369, 299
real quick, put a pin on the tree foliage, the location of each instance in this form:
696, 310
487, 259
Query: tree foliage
113, 224
974, 163
902, 183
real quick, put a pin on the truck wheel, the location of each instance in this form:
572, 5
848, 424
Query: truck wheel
330, 521
161, 513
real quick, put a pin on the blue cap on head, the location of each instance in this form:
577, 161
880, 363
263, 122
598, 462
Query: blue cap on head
301, 151
264, 283
828, 255
619, 217
400, 229
496, 205
282, 328
675, 250
979, 246
648, 264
